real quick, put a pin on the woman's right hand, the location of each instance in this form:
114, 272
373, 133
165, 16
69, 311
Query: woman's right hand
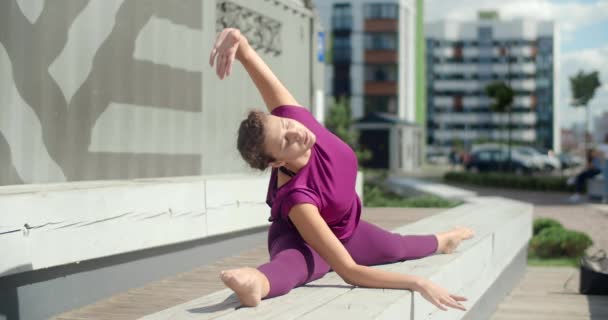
230, 44
439, 296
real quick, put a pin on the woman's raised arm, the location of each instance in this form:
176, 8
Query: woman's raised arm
230, 45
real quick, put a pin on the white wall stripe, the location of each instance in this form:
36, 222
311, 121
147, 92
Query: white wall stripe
163, 42
31, 9
87, 33
28, 151
128, 128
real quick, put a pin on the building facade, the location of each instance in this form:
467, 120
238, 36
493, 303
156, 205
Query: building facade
600, 130
464, 57
373, 47
120, 92
121, 89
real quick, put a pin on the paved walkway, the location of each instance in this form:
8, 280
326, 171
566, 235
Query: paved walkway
550, 293
589, 217
542, 294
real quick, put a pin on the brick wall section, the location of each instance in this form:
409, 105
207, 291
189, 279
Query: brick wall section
381, 25
381, 56
381, 88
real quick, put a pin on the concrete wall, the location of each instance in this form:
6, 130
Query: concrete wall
69, 223
121, 89
60, 240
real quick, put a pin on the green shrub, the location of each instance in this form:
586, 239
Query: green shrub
510, 180
555, 242
542, 223
547, 243
375, 196
575, 243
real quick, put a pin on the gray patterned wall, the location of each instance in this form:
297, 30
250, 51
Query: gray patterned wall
121, 89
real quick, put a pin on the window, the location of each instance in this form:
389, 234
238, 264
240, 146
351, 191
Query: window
381, 11
381, 41
341, 48
545, 44
380, 104
381, 73
342, 16
485, 36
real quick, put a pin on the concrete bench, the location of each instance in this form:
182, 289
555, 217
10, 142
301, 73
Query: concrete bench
408, 186
596, 188
483, 269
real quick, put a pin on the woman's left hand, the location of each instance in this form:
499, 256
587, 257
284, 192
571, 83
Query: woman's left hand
230, 44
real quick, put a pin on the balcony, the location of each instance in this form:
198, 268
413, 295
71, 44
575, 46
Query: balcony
381, 56
528, 118
381, 25
482, 102
528, 135
381, 88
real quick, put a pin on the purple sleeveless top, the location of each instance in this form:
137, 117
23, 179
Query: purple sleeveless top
327, 181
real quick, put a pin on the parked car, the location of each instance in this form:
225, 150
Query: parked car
543, 161
490, 158
437, 157
569, 161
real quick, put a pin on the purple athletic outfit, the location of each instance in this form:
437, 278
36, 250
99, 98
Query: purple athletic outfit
327, 181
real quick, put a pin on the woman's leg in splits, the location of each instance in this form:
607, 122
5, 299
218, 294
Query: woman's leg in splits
371, 245
292, 264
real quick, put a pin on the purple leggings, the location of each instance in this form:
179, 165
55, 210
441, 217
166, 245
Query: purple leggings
293, 262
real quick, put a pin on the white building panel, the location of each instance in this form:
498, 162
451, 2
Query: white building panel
472, 134
477, 102
483, 118
465, 85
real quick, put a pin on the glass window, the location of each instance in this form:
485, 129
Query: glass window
380, 104
485, 36
341, 48
381, 41
380, 73
342, 16
381, 11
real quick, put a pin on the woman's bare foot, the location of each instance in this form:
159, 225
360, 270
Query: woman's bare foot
448, 241
249, 284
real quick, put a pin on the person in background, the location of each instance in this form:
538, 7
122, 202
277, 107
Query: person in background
593, 167
603, 149
454, 158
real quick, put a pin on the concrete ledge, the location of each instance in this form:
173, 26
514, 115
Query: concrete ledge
503, 228
52, 225
408, 186
596, 188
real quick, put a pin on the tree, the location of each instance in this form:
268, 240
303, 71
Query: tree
583, 86
339, 122
503, 98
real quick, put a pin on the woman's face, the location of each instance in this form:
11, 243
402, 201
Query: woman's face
286, 139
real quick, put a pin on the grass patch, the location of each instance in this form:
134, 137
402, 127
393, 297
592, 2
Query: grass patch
374, 196
553, 262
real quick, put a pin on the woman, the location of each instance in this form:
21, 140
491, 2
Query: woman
314, 208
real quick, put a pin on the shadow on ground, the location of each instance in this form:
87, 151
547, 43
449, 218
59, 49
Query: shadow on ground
231, 302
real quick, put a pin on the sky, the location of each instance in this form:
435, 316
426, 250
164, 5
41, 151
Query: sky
583, 28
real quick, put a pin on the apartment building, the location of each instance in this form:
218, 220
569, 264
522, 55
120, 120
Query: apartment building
464, 57
374, 46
